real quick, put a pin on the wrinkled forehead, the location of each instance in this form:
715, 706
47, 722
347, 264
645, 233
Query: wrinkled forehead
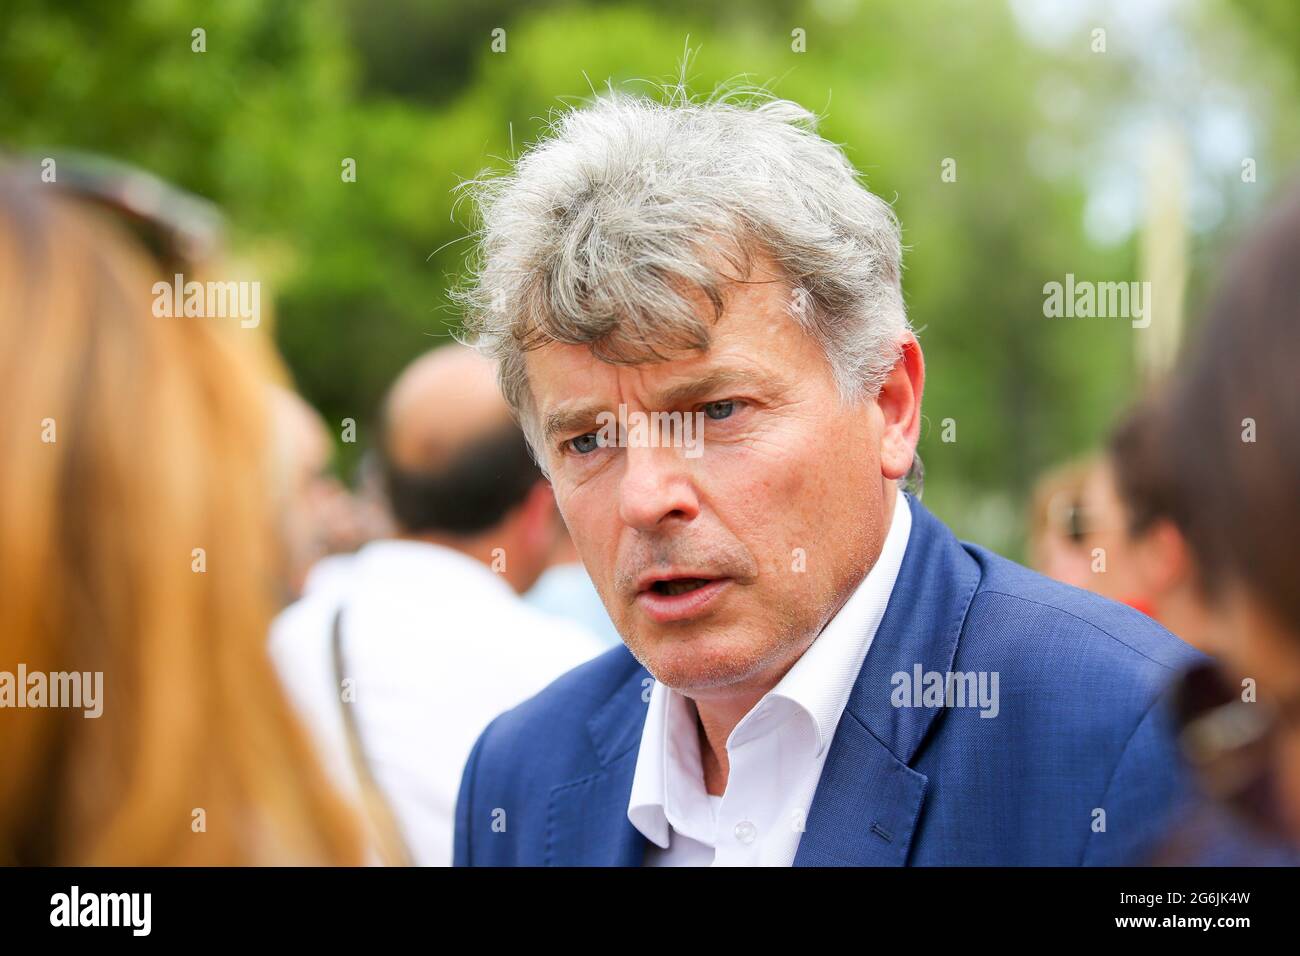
642, 312
754, 345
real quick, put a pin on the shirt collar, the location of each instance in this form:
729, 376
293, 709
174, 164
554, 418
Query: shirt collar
668, 783
819, 685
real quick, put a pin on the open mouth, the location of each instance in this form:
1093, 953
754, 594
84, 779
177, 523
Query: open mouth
671, 600
677, 597
678, 586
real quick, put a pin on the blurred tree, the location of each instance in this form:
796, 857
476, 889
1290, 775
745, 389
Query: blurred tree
413, 93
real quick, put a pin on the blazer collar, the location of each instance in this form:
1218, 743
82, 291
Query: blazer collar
587, 822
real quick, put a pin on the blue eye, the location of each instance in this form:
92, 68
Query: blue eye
719, 410
584, 444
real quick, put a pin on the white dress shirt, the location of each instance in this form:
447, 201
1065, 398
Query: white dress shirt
775, 753
436, 645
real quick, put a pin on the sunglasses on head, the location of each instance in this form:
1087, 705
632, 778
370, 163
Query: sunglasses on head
178, 229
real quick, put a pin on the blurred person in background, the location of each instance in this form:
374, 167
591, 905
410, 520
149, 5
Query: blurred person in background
1231, 434
399, 670
1056, 525
314, 503
373, 517
565, 589
137, 543
1106, 524
349, 519
1136, 513
323, 522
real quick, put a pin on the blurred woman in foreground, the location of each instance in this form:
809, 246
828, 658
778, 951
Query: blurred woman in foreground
1230, 430
136, 542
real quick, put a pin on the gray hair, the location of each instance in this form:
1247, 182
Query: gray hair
628, 203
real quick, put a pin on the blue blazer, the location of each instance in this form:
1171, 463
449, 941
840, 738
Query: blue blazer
1078, 766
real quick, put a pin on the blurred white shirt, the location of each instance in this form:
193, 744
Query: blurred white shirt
436, 645
332, 571
566, 590
775, 754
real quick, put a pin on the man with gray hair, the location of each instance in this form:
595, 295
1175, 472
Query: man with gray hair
816, 671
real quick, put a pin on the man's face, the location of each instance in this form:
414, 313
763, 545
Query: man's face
781, 512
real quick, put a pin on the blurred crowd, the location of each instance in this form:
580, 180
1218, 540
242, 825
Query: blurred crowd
297, 669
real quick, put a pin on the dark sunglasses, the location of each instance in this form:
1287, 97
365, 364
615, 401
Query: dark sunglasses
1231, 744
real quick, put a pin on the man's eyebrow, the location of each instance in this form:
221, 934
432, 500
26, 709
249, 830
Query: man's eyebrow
714, 381
568, 418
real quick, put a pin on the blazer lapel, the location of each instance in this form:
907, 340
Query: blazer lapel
869, 798
587, 822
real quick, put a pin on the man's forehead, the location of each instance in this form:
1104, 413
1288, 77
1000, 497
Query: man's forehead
559, 371
751, 326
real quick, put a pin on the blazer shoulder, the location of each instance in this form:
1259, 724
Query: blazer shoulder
1012, 598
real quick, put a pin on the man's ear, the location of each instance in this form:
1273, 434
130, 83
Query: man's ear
899, 401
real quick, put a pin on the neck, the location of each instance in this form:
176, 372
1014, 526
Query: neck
717, 716
713, 729
719, 713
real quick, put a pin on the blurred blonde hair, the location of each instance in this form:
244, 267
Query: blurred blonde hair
160, 448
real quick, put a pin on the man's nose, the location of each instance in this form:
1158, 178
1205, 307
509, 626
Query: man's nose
657, 485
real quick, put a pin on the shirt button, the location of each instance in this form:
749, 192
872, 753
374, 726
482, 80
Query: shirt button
745, 832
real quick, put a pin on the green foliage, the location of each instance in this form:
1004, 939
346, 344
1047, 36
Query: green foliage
261, 122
